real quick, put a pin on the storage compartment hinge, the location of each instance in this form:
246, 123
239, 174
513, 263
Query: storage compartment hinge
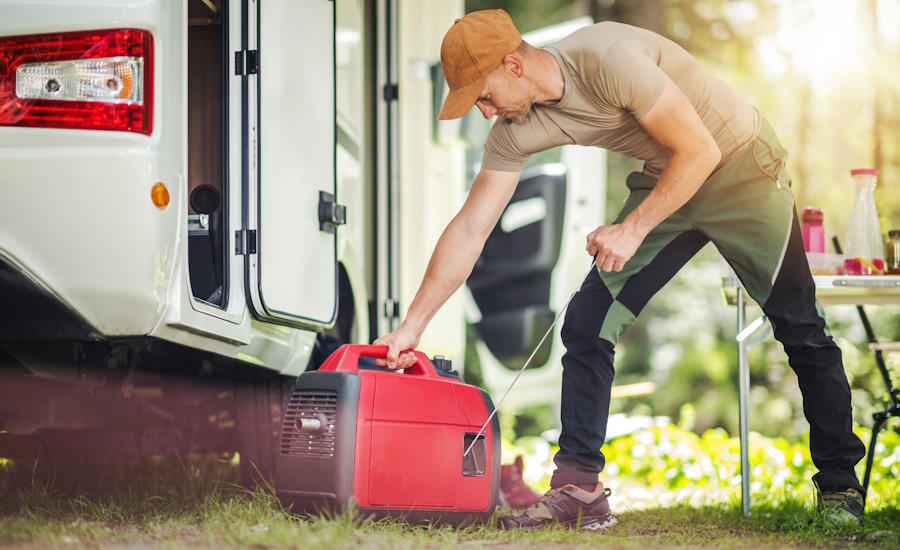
391, 309
246, 62
391, 92
331, 214
245, 242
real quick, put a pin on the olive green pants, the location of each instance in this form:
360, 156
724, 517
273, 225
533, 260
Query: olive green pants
746, 209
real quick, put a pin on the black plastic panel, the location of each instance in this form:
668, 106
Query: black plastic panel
515, 333
495, 453
322, 477
511, 280
529, 250
202, 267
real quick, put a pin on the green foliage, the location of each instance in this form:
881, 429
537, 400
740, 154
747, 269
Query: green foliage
671, 465
535, 420
533, 14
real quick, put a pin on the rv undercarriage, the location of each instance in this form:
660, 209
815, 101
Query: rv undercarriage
135, 397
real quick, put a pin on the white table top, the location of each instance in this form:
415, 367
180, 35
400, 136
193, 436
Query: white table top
840, 289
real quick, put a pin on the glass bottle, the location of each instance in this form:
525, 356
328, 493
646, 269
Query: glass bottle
864, 252
892, 253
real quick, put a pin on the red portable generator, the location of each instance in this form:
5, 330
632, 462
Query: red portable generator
390, 443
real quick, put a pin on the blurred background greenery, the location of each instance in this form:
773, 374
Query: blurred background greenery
824, 73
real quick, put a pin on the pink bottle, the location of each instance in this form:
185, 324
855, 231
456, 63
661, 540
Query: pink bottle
813, 230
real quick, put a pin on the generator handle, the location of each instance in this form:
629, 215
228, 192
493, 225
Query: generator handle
346, 359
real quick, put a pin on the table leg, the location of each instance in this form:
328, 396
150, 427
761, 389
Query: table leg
744, 403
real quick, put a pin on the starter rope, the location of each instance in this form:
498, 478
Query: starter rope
516, 379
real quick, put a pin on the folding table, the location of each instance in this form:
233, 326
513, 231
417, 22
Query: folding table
830, 289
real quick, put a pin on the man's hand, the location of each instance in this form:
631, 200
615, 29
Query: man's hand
613, 245
398, 342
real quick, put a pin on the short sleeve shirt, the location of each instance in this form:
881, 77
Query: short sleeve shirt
614, 73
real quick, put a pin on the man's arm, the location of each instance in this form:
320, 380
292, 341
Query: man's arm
452, 260
675, 124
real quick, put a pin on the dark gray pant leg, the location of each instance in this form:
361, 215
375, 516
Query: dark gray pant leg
816, 359
588, 362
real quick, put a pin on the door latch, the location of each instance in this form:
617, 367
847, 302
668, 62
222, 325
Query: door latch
246, 62
331, 214
245, 242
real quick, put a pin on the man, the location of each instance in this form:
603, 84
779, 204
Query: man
713, 171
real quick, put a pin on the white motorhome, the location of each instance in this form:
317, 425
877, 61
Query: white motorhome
199, 198
194, 192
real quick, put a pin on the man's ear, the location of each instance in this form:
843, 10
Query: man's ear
512, 63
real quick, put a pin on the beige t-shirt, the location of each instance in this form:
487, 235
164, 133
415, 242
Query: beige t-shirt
614, 73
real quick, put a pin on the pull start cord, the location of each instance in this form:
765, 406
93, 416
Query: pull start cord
528, 362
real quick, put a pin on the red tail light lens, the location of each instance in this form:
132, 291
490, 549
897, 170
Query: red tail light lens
97, 80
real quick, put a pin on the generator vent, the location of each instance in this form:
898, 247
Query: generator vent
308, 429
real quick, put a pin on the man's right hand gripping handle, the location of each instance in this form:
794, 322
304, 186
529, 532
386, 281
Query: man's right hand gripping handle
398, 343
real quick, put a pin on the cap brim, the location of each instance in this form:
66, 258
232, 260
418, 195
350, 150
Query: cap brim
460, 100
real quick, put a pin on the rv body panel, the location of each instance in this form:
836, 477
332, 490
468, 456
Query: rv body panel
76, 212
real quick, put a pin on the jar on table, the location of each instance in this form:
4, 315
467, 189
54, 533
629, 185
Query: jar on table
892, 253
864, 249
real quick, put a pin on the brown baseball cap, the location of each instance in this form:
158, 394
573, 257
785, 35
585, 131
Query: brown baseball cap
474, 46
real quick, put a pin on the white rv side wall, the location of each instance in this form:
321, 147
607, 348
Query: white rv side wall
431, 173
352, 161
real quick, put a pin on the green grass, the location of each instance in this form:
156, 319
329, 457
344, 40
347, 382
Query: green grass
195, 502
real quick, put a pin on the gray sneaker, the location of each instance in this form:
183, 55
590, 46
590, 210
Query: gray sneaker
569, 505
839, 509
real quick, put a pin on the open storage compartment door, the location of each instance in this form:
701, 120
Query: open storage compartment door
292, 257
510, 282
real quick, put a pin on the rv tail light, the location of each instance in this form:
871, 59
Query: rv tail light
110, 80
98, 80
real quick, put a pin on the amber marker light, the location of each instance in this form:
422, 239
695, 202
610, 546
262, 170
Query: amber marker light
160, 195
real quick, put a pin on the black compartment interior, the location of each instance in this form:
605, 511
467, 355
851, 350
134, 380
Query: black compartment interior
207, 160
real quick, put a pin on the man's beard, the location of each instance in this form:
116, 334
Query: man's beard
517, 116
520, 114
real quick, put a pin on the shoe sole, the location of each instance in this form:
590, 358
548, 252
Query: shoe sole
599, 523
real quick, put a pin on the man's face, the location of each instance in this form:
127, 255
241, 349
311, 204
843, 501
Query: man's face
505, 96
